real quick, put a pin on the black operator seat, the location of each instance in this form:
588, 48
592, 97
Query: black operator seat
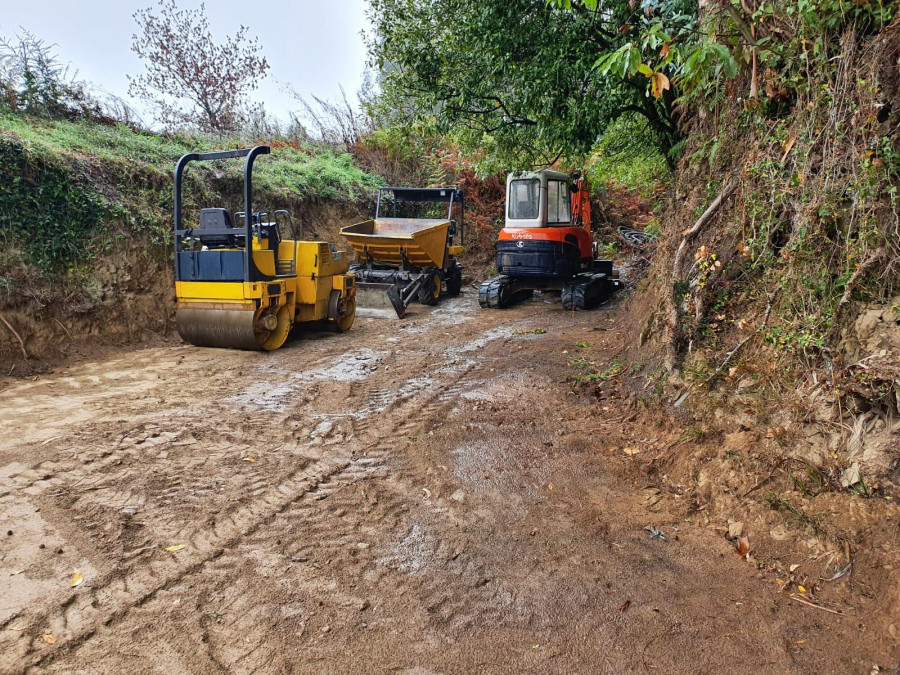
524, 207
212, 224
273, 234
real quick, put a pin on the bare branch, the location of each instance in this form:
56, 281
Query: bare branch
190, 78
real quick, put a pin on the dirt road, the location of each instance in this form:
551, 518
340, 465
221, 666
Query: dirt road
419, 497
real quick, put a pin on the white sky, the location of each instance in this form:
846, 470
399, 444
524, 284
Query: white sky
314, 45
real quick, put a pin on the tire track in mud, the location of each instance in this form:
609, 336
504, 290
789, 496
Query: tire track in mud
356, 503
113, 595
369, 501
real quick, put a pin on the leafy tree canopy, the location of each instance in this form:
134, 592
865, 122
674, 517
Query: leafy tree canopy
523, 82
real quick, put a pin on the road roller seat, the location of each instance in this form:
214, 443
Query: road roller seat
271, 233
212, 222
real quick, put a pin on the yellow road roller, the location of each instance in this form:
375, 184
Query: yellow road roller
245, 286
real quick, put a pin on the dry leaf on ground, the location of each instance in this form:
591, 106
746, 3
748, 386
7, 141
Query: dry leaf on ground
176, 547
77, 578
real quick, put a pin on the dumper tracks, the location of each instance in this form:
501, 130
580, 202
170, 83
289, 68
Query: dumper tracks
99, 483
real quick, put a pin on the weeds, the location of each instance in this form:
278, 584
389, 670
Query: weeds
589, 373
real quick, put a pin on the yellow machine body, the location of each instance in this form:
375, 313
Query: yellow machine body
423, 241
259, 315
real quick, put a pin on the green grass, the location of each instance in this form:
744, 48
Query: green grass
107, 143
77, 182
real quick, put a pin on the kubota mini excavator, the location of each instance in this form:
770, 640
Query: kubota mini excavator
547, 244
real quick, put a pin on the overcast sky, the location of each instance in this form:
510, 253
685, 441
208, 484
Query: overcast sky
314, 45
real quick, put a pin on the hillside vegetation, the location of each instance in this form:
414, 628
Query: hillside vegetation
85, 219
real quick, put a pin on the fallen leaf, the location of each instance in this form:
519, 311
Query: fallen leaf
176, 601
19, 628
249, 459
176, 547
550, 486
780, 581
48, 638
788, 145
535, 646
631, 450
77, 578
743, 547
801, 642
793, 567
801, 589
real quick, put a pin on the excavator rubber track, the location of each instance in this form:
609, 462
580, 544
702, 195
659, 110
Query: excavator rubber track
587, 291
502, 291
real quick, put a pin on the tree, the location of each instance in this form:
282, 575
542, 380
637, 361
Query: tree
33, 81
190, 79
525, 81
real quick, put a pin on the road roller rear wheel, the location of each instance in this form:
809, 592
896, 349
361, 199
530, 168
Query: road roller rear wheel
273, 339
345, 321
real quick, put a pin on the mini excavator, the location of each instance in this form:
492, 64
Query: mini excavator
547, 244
244, 287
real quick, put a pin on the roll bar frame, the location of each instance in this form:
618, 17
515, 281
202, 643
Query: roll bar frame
251, 273
434, 195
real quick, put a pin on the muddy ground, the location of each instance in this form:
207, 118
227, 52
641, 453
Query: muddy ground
425, 496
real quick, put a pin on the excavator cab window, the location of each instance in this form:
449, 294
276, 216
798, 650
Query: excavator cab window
524, 199
558, 211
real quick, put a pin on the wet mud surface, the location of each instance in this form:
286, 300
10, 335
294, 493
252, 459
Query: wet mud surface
425, 496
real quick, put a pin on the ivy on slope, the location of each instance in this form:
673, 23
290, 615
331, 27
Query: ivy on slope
43, 210
68, 189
